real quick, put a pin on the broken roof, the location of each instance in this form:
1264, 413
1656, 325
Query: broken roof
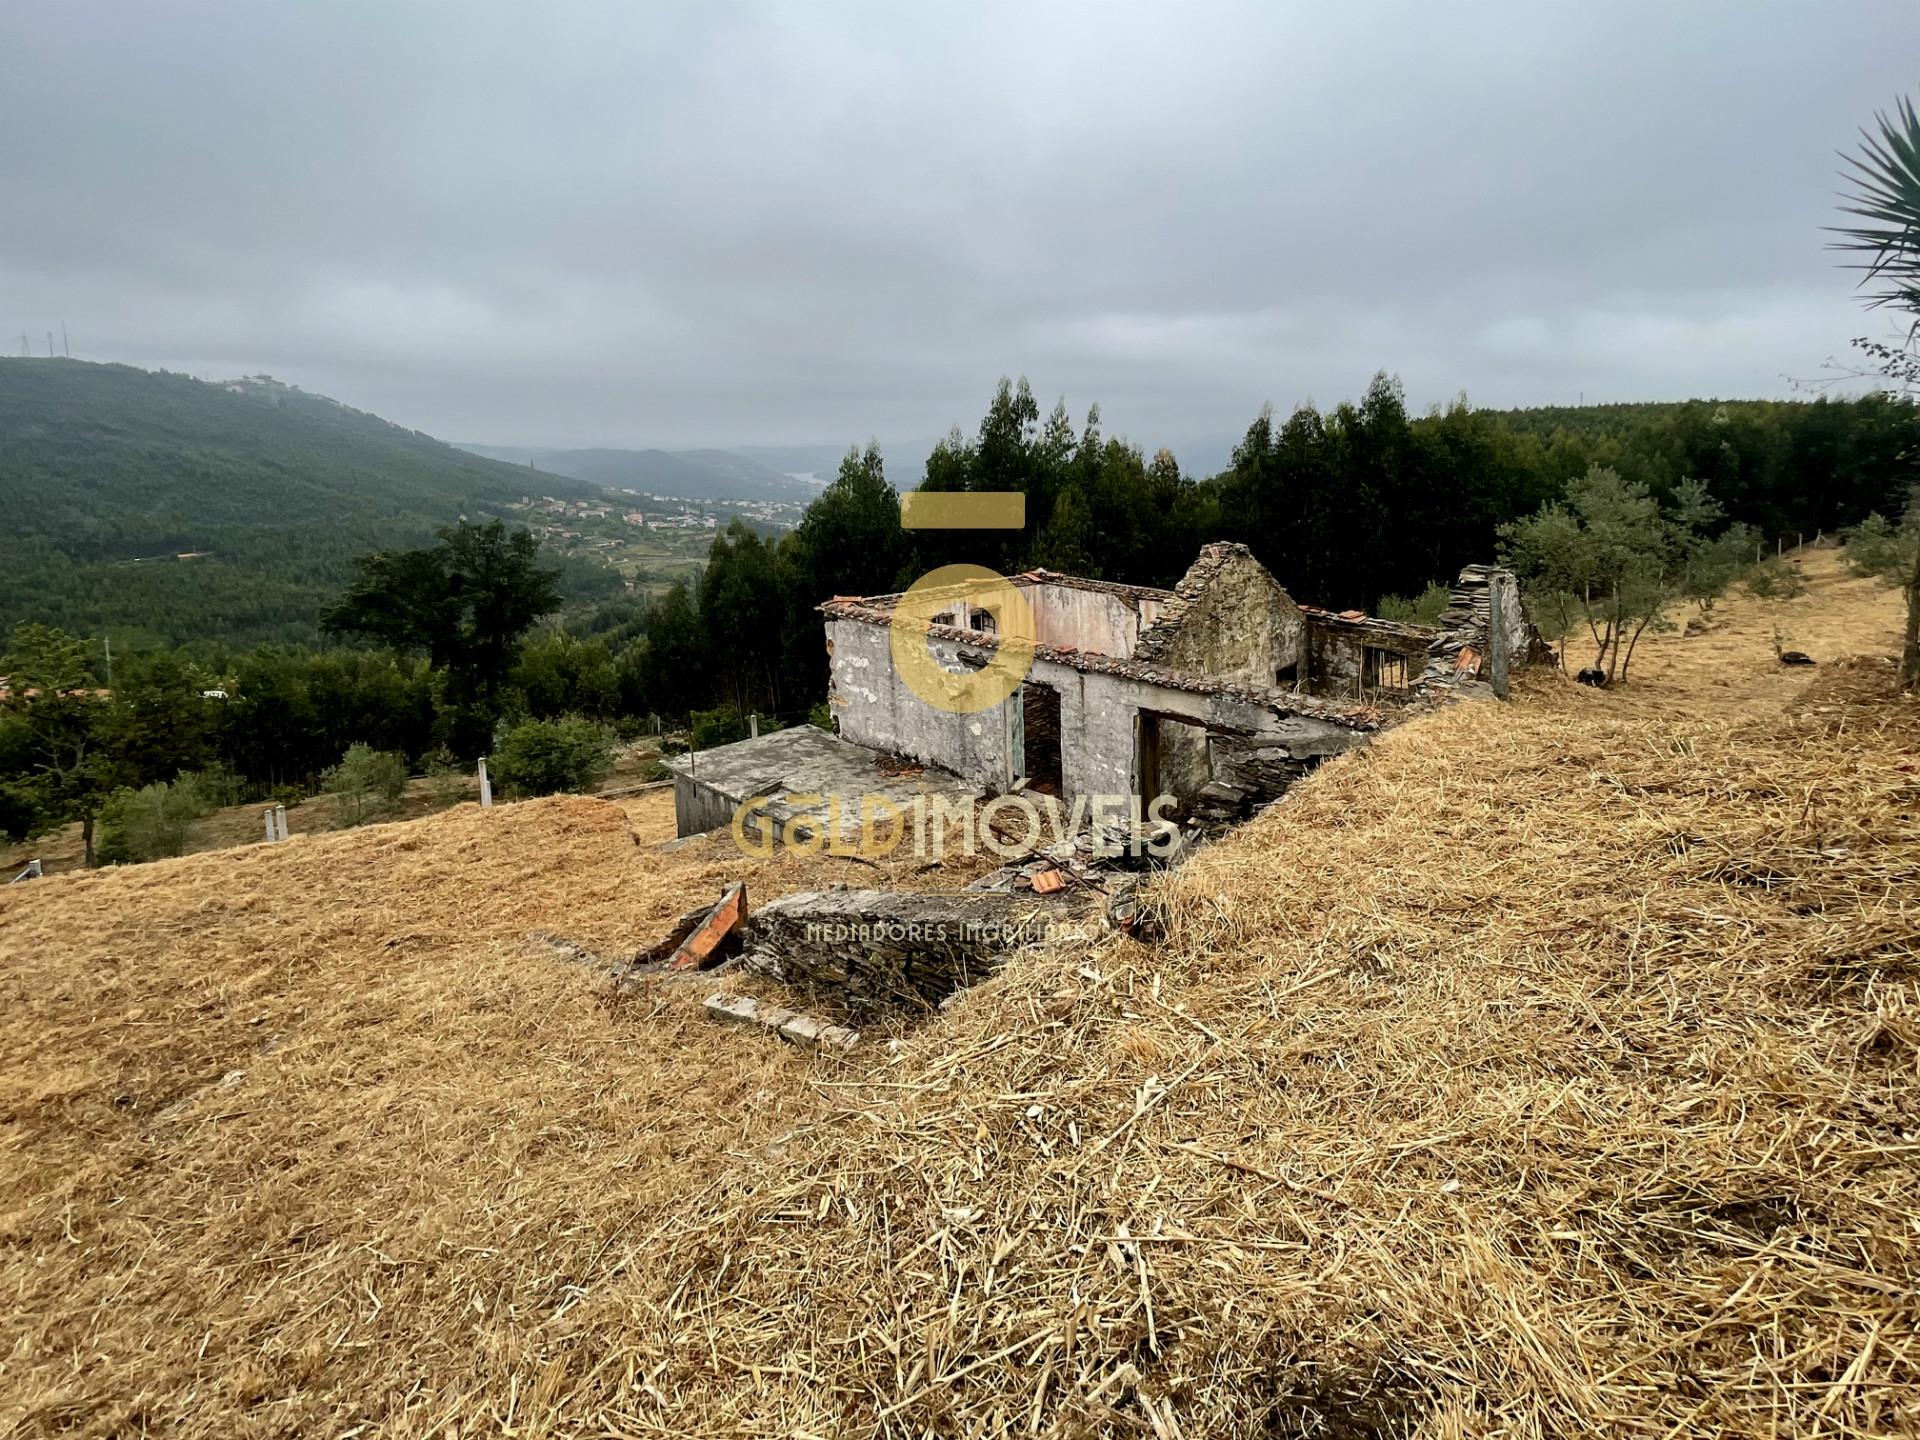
1147, 663
980, 644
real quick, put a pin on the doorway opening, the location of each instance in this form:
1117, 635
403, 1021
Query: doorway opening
1174, 758
1040, 737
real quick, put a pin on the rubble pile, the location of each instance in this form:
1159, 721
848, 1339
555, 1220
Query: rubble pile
874, 948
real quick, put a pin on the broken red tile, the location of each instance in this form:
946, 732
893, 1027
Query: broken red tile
702, 947
1048, 881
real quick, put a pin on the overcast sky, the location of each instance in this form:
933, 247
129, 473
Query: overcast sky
649, 224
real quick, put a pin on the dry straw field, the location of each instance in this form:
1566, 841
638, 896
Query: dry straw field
1541, 1070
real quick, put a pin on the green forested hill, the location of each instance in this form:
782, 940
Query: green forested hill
109, 475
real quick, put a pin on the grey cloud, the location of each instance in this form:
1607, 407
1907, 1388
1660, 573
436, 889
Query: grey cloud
612, 224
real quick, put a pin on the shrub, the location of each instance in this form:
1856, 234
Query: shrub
150, 823
717, 727
287, 795
366, 785
1876, 547
1774, 579
1423, 609
446, 779
218, 785
545, 757
821, 718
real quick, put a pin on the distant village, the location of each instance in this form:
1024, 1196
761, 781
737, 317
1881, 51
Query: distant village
648, 537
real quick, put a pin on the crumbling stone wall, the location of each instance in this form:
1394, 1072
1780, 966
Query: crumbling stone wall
1263, 769
1460, 648
1250, 771
1337, 662
1229, 618
874, 948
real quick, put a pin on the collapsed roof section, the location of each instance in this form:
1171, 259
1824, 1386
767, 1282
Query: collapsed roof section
1228, 628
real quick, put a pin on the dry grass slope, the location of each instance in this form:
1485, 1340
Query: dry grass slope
1540, 1070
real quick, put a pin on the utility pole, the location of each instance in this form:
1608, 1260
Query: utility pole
49, 344
65, 348
109, 642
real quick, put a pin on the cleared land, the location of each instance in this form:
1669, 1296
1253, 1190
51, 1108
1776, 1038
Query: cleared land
223, 828
1544, 1069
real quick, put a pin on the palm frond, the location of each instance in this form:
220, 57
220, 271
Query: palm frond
1884, 181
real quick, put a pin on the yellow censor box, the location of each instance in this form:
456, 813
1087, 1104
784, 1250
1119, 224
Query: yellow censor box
963, 510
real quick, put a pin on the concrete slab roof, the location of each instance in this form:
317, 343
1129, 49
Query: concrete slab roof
809, 763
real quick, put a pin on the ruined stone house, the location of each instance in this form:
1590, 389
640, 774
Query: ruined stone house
1219, 692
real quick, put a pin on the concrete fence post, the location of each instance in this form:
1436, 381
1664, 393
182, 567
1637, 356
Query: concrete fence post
753, 725
486, 785
271, 833
280, 821
1496, 638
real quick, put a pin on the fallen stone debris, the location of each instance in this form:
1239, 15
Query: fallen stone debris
870, 949
1130, 915
791, 1026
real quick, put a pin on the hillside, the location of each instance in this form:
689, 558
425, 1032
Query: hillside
684, 474
109, 475
1542, 1069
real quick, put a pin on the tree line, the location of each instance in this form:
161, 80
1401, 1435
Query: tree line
1361, 506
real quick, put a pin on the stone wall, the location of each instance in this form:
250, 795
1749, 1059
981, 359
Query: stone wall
1459, 652
1262, 769
869, 949
1229, 618
698, 807
1337, 660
